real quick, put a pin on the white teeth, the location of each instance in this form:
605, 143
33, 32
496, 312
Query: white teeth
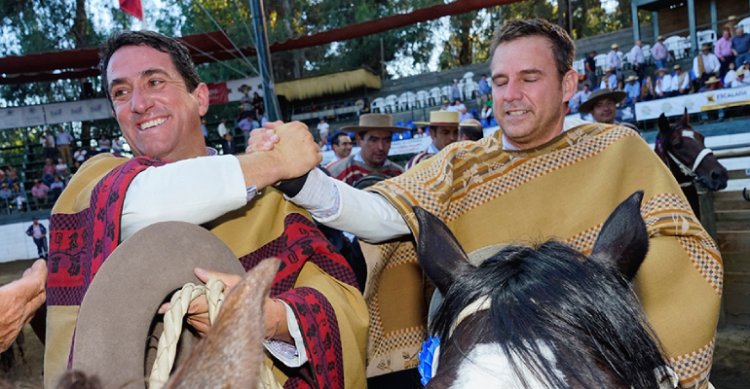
516, 113
152, 123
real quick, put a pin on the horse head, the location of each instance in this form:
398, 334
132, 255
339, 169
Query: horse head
683, 149
507, 321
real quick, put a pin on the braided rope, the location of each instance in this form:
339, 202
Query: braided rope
179, 303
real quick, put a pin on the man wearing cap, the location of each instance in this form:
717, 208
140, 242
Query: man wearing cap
374, 134
602, 105
609, 80
443, 131
316, 323
498, 190
614, 62
740, 80
705, 64
471, 130
632, 90
680, 82
660, 53
663, 83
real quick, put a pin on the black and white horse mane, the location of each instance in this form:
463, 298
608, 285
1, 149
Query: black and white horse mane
548, 298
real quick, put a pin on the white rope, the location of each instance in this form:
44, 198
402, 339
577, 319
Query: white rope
167, 348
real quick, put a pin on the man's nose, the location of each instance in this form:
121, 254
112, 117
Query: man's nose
140, 101
512, 91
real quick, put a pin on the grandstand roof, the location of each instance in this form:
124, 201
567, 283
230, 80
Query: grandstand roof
340, 82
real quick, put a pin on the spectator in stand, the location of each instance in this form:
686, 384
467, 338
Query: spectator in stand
223, 132
580, 97
323, 128
663, 84
5, 195
48, 145
39, 193
460, 107
609, 81
342, 146
56, 188
63, 141
246, 125
104, 143
632, 90
61, 169
712, 84
484, 87
20, 200
38, 232
723, 51
680, 82
602, 105
614, 61
117, 147
470, 130
705, 65
647, 89
48, 171
589, 65
455, 91
740, 80
740, 45
257, 104
660, 53
637, 59
11, 175
731, 74
486, 113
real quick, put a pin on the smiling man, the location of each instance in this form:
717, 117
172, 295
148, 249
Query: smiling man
158, 100
531, 181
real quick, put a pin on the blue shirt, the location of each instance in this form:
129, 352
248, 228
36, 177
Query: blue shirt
741, 43
633, 89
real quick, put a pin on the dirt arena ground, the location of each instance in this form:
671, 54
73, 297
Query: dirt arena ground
731, 358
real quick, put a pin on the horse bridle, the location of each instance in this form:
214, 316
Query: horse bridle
687, 170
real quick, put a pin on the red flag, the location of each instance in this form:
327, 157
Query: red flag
132, 7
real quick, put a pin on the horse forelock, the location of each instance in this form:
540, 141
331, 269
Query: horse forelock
555, 296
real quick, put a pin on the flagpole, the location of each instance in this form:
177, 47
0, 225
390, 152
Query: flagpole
270, 101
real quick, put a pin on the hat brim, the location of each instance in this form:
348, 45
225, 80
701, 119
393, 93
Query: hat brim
130, 286
367, 128
437, 124
588, 105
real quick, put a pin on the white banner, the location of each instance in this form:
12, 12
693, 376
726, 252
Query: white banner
695, 102
11, 118
33, 115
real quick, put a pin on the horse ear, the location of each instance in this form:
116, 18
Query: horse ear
623, 240
664, 126
439, 253
685, 117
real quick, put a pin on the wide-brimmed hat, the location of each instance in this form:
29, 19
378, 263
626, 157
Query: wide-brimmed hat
660, 38
442, 119
661, 70
712, 80
675, 67
706, 46
741, 72
631, 78
129, 288
375, 121
601, 94
615, 46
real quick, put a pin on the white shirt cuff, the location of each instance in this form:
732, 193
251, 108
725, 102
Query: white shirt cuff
290, 355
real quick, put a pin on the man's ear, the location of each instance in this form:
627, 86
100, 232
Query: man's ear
201, 95
569, 84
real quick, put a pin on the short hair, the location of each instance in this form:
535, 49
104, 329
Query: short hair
336, 136
176, 50
563, 48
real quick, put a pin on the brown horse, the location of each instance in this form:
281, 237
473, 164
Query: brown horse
683, 150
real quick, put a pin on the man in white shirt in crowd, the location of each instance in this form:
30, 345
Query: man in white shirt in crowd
740, 80
322, 128
663, 83
614, 61
680, 82
705, 65
637, 59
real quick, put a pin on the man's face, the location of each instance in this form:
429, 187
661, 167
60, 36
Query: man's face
344, 148
604, 111
443, 136
375, 145
157, 115
529, 96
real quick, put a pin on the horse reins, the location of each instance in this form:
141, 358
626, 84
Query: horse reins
478, 305
686, 170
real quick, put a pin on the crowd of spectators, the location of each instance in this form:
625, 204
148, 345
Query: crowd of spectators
724, 64
62, 157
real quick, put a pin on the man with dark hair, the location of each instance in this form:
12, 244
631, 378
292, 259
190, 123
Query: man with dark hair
342, 146
534, 179
316, 321
374, 134
443, 127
